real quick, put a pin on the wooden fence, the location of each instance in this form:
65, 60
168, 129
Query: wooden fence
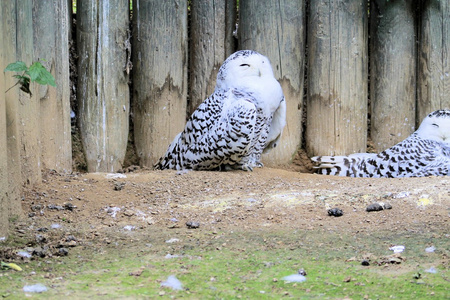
159, 62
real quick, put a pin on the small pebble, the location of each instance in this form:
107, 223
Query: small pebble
302, 272
430, 249
192, 224
69, 206
118, 186
397, 249
386, 206
335, 212
55, 207
374, 207
63, 252
294, 278
365, 262
25, 254
36, 288
378, 206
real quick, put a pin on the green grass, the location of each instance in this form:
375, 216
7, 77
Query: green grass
249, 267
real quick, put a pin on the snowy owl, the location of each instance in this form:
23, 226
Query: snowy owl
244, 116
426, 152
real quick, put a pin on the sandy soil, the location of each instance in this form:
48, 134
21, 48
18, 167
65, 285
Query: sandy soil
102, 204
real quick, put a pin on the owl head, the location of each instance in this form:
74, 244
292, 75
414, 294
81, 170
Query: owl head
436, 126
243, 68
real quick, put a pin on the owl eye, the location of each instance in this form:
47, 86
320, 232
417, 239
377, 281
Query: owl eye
245, 65
435, 125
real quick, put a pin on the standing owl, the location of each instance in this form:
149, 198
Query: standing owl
244, 116
426, 152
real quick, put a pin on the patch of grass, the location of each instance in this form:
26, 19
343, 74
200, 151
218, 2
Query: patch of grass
243, 264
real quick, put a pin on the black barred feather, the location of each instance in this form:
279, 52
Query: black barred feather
232, 127
425, 153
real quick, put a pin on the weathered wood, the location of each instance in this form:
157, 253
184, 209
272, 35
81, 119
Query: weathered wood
433, 79
9, 42
211, 33
51, 35
393, 69
159, 75
4, 189
103, 93
30, 151
337, 77
276, 30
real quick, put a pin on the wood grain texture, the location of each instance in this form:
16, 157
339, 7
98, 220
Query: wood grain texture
276, 30
4, 190
159, 76
211, 42
51, 47
337, 77
28, 108
433, 80
8, 49
393, 69
103, 92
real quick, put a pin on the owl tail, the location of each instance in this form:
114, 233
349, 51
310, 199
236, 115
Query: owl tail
351, 165
171, 158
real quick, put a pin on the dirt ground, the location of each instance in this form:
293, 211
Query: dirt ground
101, 205
79, 215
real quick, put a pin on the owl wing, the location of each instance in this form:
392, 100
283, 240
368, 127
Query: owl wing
212, 139
436, 161
413, 157
276, 127
201, 120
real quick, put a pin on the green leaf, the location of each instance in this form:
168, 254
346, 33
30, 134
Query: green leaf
35, 71
46, 78
18, 66
39, 74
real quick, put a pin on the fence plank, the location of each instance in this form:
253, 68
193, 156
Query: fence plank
103, 93
30, 152
276, 29
51, 46
159, 75
4, 189
210, 44
337, 77
9, 41
393, 68
434, 58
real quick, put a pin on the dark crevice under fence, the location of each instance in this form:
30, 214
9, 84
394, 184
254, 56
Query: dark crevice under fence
173, 54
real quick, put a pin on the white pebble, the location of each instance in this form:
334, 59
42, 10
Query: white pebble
397, 249
35, 288
430, 249
173, 283
294, 278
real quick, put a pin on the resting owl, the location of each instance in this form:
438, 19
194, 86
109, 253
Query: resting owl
242, 118
425, 152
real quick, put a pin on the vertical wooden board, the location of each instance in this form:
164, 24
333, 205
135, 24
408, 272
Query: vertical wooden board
30, 153
9, 40
103, 93
51, 47
276, 30
4, 189
434, 58
210, 45
337, 77
393, 69
159, 75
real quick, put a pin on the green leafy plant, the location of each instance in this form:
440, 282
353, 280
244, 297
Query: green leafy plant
36, 72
